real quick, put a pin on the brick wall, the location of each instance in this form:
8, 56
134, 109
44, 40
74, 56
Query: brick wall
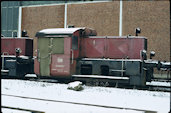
103, 17
153, 17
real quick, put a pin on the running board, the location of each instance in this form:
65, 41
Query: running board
4, 72
101, 77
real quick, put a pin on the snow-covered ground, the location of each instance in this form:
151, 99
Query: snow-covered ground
103, 96
155, 83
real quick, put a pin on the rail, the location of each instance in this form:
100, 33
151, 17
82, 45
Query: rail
21, 109
77, 103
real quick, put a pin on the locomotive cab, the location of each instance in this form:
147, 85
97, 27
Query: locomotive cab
58, 50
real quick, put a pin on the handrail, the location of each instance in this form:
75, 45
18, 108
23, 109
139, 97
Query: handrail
3, 59
72, 59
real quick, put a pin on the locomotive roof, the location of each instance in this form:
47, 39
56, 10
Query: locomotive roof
20, 38
59, 31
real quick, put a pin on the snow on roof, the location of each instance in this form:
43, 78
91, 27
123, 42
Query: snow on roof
58, 31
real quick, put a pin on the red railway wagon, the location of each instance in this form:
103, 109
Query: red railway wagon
16, 56
8, 46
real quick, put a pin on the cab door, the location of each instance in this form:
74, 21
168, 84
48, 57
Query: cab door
44, 56
60, 56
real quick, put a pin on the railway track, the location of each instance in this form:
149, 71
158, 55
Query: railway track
67, 102
148, 87
22, 109
159, 88
162, 79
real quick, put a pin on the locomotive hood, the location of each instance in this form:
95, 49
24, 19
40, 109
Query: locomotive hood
65, 31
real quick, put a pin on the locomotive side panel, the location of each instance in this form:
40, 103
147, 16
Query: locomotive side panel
9, 45
137, 45
20, 43
93, 47
115, 48
125, 48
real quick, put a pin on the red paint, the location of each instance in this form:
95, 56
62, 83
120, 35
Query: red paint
76, 52
67, 46
138, 44
93, 47
73, 67
36, 67
60, 65
65, 64
116, 48
10, 44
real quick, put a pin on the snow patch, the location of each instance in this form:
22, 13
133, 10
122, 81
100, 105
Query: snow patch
77, 86
31, 75
158, 83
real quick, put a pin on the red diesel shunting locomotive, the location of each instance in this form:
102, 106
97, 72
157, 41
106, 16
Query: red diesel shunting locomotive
78, 52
